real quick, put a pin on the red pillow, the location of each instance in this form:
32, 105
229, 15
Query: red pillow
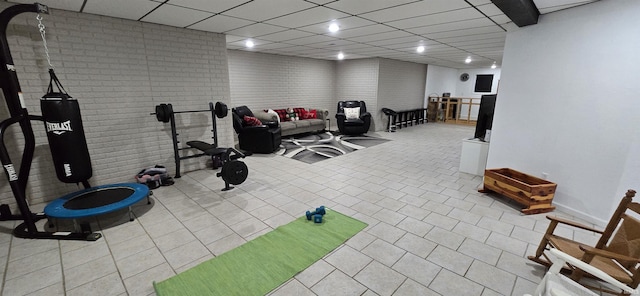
282, 113
300, 112
251, 121
311, 114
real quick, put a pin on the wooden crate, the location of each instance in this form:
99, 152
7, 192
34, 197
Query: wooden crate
535, 193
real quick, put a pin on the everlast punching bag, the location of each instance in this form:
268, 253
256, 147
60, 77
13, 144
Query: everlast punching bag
63, 124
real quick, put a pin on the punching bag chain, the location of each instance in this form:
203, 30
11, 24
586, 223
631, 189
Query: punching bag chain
44, 40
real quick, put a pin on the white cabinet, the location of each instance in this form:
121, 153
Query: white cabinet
473, 159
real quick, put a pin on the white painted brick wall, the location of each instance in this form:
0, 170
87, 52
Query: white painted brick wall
401, 86
358, 80
118, 70
261, 81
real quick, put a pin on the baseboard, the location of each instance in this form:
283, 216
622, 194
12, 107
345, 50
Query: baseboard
578, 214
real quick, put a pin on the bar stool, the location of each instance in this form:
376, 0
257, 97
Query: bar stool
391, 125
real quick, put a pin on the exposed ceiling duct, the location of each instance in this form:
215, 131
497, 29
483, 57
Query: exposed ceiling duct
521, 12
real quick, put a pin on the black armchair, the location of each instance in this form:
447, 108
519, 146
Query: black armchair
350, 124
263, 138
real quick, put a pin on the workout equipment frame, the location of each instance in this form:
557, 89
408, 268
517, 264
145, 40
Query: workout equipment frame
18, 179
165, 113
20, 115
233, 171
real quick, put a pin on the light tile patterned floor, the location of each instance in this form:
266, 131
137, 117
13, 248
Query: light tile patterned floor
430, 232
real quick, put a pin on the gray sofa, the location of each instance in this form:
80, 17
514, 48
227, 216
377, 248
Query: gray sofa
299, 126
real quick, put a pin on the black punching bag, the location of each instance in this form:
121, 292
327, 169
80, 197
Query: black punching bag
63, 124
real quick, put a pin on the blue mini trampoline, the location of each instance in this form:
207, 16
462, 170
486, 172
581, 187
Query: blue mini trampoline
97, 201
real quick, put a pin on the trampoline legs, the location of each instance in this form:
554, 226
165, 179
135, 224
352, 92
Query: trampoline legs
131, 213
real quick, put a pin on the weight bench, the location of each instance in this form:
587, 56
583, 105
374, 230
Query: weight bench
233, 171
206, 148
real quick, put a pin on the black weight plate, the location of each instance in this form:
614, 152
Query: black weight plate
221, 110
163, 112
234, 172
159, 112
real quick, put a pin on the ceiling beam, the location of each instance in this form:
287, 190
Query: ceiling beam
521, 12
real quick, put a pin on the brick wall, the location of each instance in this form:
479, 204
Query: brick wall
401, 86
118, 70
358, 80
262, 81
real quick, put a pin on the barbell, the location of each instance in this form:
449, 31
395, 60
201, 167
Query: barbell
164, 111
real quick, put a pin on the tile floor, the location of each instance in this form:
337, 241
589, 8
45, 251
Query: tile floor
430, 232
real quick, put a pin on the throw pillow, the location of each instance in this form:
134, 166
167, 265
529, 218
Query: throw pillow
270, 111
300, 111
251, 121
282, 114
311, 114
352, 113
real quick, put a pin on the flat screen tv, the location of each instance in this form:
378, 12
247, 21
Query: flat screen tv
484, 83
485, 116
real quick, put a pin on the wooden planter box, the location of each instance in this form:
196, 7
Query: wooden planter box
535, 193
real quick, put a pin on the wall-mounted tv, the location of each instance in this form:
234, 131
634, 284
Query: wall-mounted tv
484, 82
485, 116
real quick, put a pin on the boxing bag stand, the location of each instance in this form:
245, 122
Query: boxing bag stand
20, 115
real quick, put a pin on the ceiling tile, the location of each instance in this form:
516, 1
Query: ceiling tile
332, 43
450, 30
362, 31
479, 2
490, 9
465, 32
307, 17
355, 46
477, 42
220, 23
312, 40
403, 40
344, 23
501, 19
285, 35
256, 30
216, 6
481, 36
414, 9
260, 10
295, 49
175, 16
274, 46
233, 38
412, 45
257, 43
381, 36
459, 25
71, 5
555, 3
362, 6
437, 18
126, 9
321, 2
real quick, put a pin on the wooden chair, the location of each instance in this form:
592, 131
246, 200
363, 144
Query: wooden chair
617, 252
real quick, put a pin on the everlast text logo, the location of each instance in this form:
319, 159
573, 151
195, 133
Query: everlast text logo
11, 172
59, 128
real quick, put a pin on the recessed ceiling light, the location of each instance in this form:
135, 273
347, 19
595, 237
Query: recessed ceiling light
420, 49
340, 56
249, 44
468, 60
494, 65
334, 28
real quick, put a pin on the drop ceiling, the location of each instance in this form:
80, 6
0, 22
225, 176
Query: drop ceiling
450, 30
